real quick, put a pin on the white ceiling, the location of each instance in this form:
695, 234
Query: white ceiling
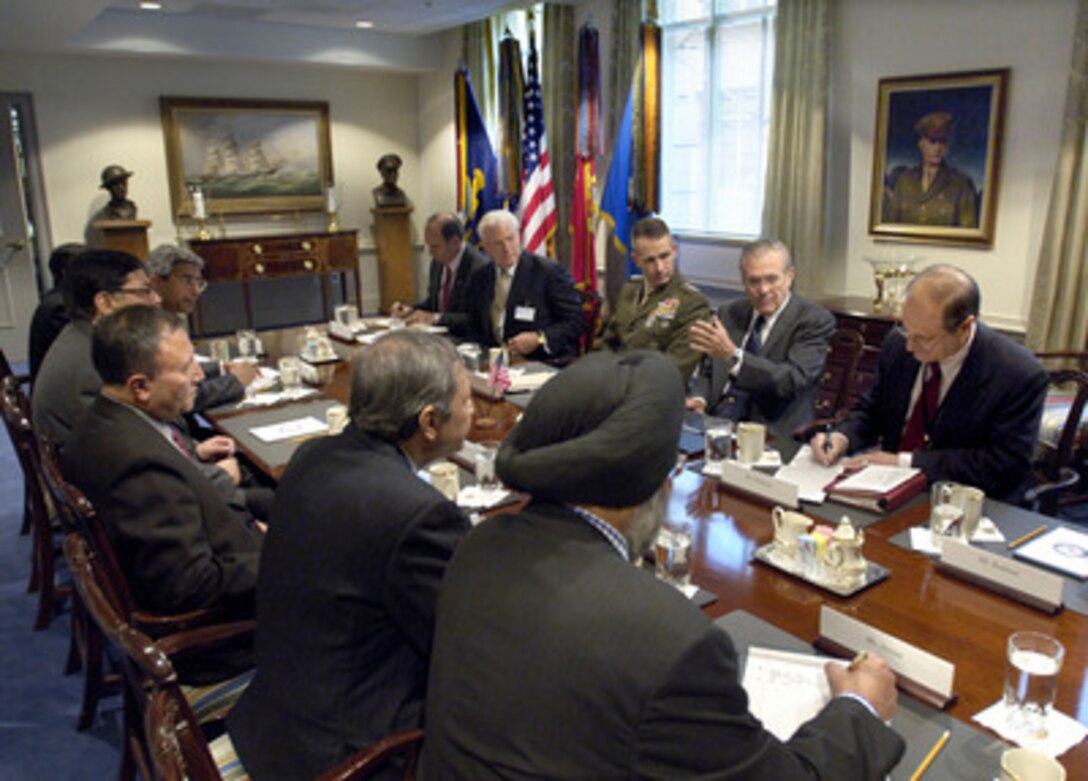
316, 31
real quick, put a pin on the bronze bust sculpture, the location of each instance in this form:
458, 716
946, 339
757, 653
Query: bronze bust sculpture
115, 180
387, 193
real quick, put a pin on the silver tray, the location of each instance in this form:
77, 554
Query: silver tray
874, 573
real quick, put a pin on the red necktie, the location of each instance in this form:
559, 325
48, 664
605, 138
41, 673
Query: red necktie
179, 441
916, 432
447, 283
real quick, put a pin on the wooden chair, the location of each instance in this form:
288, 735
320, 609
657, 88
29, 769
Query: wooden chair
836, 392
401, 746
85, 646
1060, 465
5, 372
15, 409
146, 663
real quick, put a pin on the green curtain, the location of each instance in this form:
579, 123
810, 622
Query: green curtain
794, 207
1058, 318
480, 52
558, 61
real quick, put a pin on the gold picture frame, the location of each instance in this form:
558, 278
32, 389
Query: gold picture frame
937, 157
247, 156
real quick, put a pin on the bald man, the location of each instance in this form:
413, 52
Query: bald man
952, 397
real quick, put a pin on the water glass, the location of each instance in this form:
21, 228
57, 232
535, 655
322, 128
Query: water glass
247, 344
1032, 663
719, 442
470, 354
672, 551
220, 350
485, 464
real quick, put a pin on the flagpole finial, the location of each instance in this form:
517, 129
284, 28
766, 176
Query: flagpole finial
506, 33
651, 10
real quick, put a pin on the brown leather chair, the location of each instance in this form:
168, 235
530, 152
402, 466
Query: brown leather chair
836, 393
15, 409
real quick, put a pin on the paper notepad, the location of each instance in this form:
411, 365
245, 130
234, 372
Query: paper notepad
809, 475
877, 479
290, 429
1062, 549
785, 689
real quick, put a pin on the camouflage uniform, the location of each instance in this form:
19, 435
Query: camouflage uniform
660, 322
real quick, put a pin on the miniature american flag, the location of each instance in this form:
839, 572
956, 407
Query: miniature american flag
498, 379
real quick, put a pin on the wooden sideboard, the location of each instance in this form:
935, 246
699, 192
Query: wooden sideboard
249, 261
856, 313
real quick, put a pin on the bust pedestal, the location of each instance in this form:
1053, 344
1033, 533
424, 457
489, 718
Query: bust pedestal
125, 235
396, 272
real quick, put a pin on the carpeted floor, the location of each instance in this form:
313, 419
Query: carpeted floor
38, 704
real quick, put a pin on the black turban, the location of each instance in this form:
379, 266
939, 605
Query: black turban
604, 431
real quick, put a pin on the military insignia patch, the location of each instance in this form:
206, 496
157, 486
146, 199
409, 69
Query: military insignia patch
667, 309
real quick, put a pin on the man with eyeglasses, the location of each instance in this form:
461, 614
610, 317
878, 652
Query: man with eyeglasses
952, 397
764, 353
96, 283
176, 275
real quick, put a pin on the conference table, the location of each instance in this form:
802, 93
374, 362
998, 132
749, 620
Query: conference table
955, 620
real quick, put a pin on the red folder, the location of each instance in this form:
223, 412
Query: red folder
877, 502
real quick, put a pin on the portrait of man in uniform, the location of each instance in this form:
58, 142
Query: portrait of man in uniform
936, 157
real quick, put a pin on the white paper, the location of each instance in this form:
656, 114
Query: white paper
1063, 732
481, 498
878, 479
275, 397
266, 378
809, 475
289, 429
921, 539
1062, 549
785, 689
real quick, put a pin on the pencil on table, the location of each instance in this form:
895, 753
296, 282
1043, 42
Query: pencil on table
1030, 535
932, 755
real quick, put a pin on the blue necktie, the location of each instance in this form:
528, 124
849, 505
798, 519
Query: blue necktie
754, 343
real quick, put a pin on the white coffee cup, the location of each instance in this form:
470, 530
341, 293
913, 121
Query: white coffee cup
970, 500
1024, 764
445, 479
337, 418
751, 438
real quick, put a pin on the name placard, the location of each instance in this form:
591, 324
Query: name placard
920, 673
759, 485
1015, 579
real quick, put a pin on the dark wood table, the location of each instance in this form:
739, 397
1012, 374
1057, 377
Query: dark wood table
955, 620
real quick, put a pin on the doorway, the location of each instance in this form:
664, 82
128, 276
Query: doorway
25, 242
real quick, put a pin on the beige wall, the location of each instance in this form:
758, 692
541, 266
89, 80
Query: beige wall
875, 39
92, 111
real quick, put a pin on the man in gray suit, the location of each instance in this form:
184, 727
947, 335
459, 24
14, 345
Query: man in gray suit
97, 283
555, 657
763, 354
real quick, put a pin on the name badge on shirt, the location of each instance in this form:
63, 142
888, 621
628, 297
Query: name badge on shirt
525, 314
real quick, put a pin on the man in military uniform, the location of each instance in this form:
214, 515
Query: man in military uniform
933, 192
655, 311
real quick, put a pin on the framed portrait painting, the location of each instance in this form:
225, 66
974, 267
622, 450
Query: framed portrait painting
247, 155
937, 157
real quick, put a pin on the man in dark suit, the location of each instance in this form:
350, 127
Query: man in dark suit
350, 571
554, 657
764, 353
178, 542
50, 316
455, 270
97, 283
527, 302
952, 397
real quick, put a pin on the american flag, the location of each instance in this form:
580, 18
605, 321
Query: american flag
498, 379
537, 207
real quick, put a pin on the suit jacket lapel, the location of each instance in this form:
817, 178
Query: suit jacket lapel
517, 284
967, 386
782, 326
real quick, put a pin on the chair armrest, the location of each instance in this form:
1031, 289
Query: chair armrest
361, 765
1044, 497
